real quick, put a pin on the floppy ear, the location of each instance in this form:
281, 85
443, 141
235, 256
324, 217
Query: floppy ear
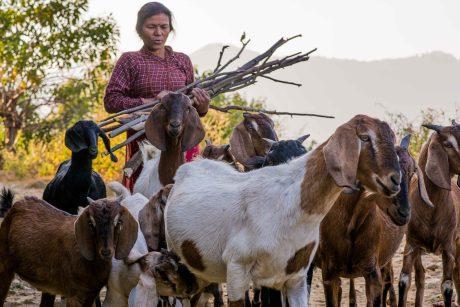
193, 130
342, 156
241, 145
149, 221
74, 141
422, 188
154, 127
85, 236
127, 234
437, 165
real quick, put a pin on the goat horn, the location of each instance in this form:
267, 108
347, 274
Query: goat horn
303, 138
436, 128
405, 141
269, 142
90, 200
454, 123
208, 142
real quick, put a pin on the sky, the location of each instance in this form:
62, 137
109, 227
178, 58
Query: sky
353, 29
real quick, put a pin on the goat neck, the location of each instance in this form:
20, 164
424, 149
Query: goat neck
170, 160
80, 171
318, 189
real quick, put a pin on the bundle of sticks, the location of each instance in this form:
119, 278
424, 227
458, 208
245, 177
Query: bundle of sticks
216, 83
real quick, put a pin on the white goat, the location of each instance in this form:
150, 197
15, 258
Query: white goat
148, 183
263, 226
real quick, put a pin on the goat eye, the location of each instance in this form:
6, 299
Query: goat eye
364, 138
448, 145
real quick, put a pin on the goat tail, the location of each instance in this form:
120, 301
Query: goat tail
119, 189
6, 201
149, 152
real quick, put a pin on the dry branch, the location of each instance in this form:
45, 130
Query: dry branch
217, 83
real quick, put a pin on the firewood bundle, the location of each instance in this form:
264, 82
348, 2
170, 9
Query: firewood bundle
216, 83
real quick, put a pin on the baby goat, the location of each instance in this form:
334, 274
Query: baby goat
263, 226
63, 254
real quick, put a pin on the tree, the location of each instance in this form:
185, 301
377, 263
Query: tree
41, 42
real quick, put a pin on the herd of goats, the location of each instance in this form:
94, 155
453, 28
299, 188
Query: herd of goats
258, 213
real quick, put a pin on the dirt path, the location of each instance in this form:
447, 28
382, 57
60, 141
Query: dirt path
21, 294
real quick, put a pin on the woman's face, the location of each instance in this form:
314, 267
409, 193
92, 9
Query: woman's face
155, 31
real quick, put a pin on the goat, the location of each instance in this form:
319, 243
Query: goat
63, 254
8, 196
263, 226
173, 127
246, 141
75, 179
361, 233
433, 230
221, 153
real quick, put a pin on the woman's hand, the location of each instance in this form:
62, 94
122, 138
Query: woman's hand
201, 100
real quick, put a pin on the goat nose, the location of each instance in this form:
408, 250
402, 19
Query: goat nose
396, 179
175, 124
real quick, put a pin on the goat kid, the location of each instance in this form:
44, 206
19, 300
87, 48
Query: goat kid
361, 233
173, 127
263, 226
58, 253
433, 229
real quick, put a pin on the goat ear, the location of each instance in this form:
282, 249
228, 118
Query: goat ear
127, 234
341, 154
422, 188
85, 236
149, 221
241, 145
193, 130
437, 165
74, 141
154, 127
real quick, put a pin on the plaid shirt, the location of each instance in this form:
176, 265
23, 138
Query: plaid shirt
140, 74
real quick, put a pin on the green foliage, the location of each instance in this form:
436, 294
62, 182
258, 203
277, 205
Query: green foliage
40, 41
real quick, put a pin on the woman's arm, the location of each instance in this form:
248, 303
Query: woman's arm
116, 97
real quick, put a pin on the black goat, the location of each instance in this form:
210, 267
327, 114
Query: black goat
75, 179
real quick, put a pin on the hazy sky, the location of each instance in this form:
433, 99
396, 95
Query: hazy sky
357, 29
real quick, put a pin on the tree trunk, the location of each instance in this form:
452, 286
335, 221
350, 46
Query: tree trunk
12, 128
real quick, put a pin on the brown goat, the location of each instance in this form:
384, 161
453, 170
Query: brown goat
361, 233
216, 152
433, 229
173, 127
63, 254
247, 137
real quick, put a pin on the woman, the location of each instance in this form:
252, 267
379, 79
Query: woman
142, 76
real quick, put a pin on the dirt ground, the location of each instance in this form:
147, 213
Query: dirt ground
21, 294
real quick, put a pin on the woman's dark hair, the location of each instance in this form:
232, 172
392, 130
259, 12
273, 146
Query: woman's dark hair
148, 10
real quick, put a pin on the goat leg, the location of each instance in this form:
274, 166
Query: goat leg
406, 272
457, 273
332, 289
388, 278
447, 284
6, 277
352, 294
47, 300
419, 280
374, 287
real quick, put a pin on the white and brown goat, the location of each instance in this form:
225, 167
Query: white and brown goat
433, 229
173, 127
263, 226
64, 254
361, 233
